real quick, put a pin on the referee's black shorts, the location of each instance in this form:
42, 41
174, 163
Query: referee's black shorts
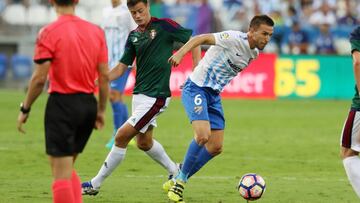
69, 121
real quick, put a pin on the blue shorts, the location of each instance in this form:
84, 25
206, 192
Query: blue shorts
203, 103
120, 83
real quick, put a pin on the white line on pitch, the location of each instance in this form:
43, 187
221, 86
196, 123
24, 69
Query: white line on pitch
287, 178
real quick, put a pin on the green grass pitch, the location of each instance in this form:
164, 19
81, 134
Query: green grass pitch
293, 144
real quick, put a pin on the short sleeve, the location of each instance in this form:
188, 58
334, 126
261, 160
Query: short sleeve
129, 53
355, 39
103, 53
44, 48
177, 32
225, 39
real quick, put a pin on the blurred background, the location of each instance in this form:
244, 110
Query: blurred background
318, 29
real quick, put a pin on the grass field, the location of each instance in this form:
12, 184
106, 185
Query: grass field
293, 144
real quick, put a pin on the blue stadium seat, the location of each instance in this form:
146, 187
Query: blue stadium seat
313, 33
342, 31
21, 66
3, 66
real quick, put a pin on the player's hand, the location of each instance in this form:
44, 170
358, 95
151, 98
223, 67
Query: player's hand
100, 120
175, 59
21, 120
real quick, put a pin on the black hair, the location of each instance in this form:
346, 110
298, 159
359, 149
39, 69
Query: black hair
64, 2
131, 3
257, 20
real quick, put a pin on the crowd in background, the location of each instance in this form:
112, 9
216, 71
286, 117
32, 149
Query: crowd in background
302, 26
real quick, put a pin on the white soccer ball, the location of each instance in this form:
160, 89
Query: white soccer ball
251, 186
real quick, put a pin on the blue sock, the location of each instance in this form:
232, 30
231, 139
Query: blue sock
120, 114
203, 158
124, 114
189, 160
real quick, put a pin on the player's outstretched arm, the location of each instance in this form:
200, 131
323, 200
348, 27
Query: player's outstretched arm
206, 39
103, 71
118, 71
356, 65
36, 85
196, 56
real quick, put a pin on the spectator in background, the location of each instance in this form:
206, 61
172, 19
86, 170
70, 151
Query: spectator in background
291, 16
349, 18
234, 15
316, 4
325, 41
157, 8
205, 19
324, 15
240, 21
305, 13
298, 40
233, 3
268, 6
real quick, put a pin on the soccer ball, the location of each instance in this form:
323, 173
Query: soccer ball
251, 186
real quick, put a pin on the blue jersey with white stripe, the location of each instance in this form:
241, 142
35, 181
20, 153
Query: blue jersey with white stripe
223, 61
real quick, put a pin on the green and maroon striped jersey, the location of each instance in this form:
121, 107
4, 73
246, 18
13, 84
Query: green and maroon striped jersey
355, 46
152, 48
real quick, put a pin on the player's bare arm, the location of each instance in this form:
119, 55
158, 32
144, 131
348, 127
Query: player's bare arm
206, 39
356, 65
118, 71
103, 81
196, 56
36, 85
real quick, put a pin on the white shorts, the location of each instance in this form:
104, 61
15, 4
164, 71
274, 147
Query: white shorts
350, 137
145, 110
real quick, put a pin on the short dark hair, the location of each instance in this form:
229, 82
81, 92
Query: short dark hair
65, 2
131, 3
257, 20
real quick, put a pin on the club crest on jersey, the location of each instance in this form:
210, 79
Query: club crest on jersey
224, 35
198, 109
152, 34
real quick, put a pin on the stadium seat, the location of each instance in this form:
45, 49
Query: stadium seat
21, 66
3, 66
38, 15
15, 14
342, 31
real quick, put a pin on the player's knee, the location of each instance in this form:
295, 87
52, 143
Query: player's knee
143, 145
202, 136
118, 140
115, 96
215, 150
202, 140
347, 152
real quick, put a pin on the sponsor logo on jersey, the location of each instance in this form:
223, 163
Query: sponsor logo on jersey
198, 109
152, 34
234, 67
224, 35
135, 39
